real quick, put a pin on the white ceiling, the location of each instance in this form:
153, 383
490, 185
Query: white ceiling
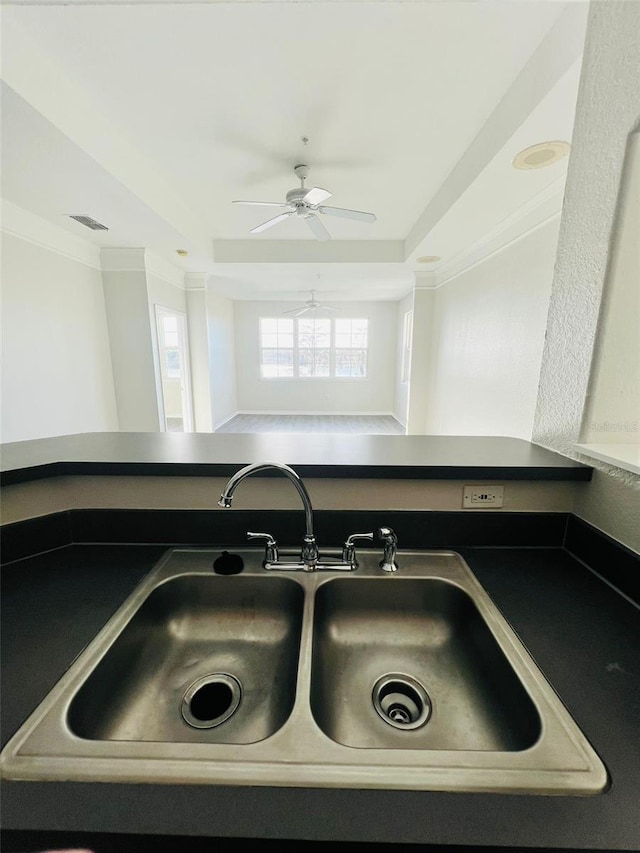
154, 117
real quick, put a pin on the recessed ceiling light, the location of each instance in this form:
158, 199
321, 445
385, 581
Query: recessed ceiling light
541, 155
428, 259
182, 252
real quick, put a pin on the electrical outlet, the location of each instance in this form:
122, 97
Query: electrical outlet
479, 496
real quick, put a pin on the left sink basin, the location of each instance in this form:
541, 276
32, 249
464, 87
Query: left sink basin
199, 652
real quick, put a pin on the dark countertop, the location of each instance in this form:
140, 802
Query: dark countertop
312, 455
583, 634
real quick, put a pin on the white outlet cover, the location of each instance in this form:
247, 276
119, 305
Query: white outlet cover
486, 495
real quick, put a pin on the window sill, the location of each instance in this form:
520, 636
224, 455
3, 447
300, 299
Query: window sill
625, 456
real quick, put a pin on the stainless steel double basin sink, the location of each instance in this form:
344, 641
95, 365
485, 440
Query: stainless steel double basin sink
411, 680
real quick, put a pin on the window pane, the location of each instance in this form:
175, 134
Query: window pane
351, 363
269, 340
343, 339
305, 327
170, 324
268, 325
323, 362
314, 362
170, 339
172, 363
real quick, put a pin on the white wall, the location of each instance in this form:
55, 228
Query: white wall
162, 292
488, 335
375, 394
222, 358
199, 353
419, 396
401, 398
132, 352
56, 362
608, 110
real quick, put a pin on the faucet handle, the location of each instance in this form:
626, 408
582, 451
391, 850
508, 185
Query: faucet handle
270, 544
349, 548
388, 562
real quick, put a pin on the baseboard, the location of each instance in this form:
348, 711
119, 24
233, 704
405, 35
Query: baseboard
430, 529
616, 563
319, 413
221, 423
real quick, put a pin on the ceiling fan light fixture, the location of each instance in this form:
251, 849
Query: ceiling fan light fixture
310, 305
306, 204
428, 259
541, 155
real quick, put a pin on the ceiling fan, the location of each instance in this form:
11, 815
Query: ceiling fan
310, 305
306, 204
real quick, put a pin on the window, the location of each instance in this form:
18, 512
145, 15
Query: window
351, 347
407, 342
313, 348
276, 348
169, 346
175, 405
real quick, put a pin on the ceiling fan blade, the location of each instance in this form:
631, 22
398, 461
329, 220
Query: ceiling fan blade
316, 195
296, 312
317, 227
270, 222
344, 213
262, 203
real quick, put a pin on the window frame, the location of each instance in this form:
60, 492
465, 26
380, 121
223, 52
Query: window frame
295, 350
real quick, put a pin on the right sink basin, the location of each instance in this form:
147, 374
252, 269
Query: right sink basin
412, 665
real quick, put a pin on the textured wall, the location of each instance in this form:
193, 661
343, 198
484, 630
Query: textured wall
488, 334
608, 110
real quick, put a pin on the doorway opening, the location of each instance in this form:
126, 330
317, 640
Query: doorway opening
173, 355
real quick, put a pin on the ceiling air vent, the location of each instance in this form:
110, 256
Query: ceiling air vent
83, 219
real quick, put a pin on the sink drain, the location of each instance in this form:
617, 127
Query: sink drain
401, 701
211, 700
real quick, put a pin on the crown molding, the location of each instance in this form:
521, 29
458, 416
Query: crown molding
32, 228
425, 280
122, 260
541, 209
164, 269
195, 281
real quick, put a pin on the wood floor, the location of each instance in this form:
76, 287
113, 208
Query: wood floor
350, 424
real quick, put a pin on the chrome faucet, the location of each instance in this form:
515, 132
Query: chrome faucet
388, 562
309, 554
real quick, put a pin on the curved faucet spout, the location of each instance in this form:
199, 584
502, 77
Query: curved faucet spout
227, 495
